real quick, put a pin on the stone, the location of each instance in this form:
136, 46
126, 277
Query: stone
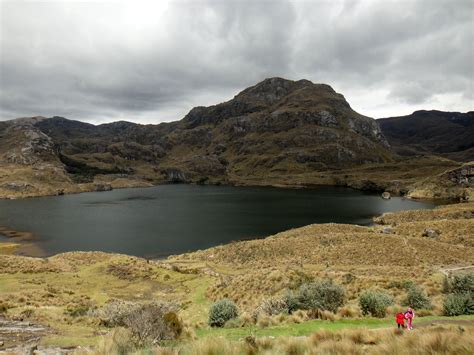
431, 233
387, 230
386, 195
102, 187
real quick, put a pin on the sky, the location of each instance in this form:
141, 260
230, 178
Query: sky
151, 61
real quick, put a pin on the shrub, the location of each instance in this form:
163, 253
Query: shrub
222, 311
463, 284
323, 295
457, 304
375, 303
407, 284
148, 323
152, 323
403, 284
417, 298
273, 306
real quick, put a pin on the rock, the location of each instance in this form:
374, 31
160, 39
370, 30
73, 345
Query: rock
16, 186
387, 230
431, 233
386, 195
1, 343
32, 349
463, 176
102, 187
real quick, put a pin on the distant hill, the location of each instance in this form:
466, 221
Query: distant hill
449, 134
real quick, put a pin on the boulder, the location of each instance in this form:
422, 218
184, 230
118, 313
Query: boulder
431, 233
386, 195
102, 187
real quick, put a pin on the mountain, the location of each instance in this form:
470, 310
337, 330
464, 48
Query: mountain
278, 132
448, 134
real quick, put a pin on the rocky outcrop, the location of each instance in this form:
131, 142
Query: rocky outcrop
456, 184
463, 176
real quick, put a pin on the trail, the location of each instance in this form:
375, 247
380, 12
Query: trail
446, 271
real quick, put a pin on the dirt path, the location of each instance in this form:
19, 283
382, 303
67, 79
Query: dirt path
446, 271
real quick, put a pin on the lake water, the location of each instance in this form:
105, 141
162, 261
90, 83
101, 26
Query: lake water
171, 219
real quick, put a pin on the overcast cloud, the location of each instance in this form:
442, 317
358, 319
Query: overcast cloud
152, 61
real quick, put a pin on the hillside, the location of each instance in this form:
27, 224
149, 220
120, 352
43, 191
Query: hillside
448, 134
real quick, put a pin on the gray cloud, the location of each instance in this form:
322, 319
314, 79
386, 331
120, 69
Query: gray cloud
142, 61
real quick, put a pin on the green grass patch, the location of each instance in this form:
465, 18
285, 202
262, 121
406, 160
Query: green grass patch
309, 327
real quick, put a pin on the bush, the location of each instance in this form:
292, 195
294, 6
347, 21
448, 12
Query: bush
417, 299
323, 295
458, 303
375, 303
222, 311
148, 323
463, 284
270, 307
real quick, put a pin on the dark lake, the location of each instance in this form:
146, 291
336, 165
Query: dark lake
171, 219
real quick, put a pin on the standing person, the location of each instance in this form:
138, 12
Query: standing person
409, 315
400, 317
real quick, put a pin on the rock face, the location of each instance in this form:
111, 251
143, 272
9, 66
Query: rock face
457, 183
448, 134
463, 176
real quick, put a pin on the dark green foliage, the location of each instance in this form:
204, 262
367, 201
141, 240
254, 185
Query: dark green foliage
222, 311
463, 284
322, 295
404, 284
82, 172
407, 284
457, 304
375, 303
417, 299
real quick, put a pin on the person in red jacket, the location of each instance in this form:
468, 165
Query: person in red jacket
400, 317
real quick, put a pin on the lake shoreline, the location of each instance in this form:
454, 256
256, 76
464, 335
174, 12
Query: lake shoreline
26, 244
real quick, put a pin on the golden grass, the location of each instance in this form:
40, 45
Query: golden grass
448, 339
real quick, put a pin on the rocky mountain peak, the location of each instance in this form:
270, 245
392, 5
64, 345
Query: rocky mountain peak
274, 89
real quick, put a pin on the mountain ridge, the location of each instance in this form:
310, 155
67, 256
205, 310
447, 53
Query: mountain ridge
278, 132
